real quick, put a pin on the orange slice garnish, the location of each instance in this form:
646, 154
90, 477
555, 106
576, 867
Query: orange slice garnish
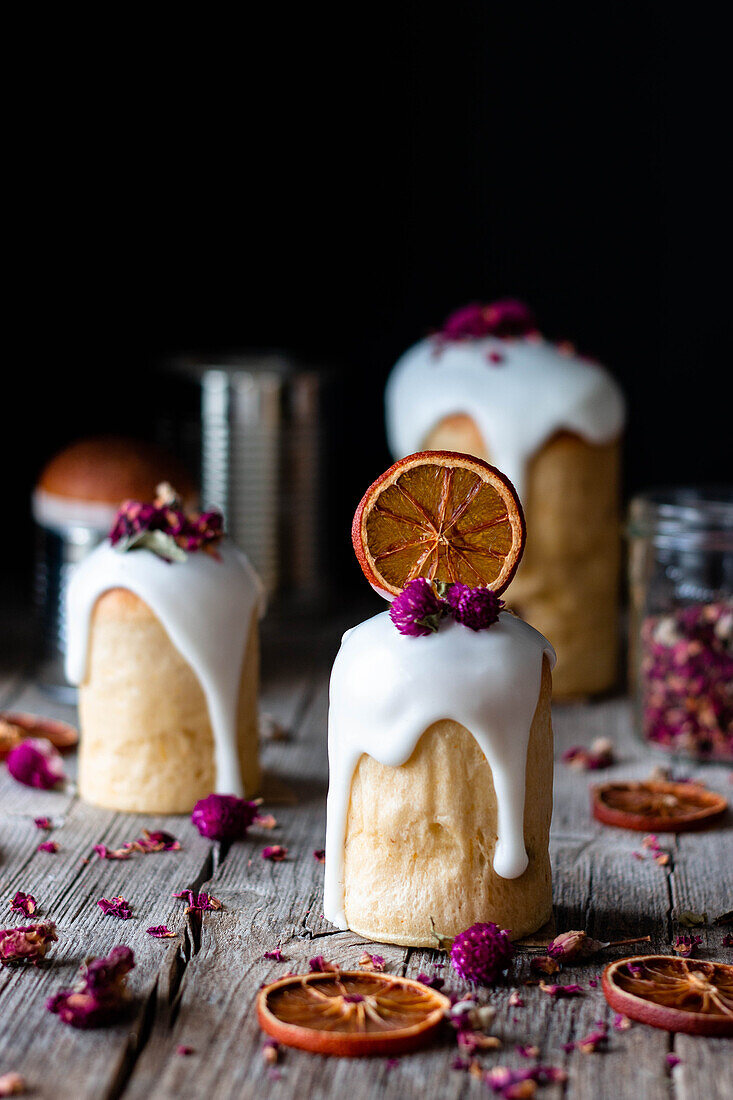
672, 993
443, 516
350, 1013
655, 806
16, 726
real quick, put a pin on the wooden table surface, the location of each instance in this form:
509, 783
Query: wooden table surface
198, 990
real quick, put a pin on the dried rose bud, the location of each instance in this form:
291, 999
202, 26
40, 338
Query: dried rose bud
224, 816
99, 995
28, 943
574, 945
23, 903
36, 763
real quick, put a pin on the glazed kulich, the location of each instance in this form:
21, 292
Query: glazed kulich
552, 422
86, 482
165, 654
440, 790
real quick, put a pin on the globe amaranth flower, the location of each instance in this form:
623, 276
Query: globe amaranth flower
476, 608
481, 953
223, 816
99, 995
506, 317
418, 609
36, 763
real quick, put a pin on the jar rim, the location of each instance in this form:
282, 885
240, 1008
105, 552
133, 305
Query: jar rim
682, 511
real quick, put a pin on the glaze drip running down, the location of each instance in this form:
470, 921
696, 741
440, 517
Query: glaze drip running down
387, 689
206, 607
519, 392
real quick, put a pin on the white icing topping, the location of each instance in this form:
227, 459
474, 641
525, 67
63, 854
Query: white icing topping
388, 688
518, 404
205, 606
51, 510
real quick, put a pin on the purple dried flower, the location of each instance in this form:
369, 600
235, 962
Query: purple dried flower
506, 317
198, 903
156, 841
223, 816
686, 945
112, 853
275, 956
372, 962
544, 964
28, 943
274, 852
116, 907
36, 763
320, 855
417, 610
481, 953
320, 965
476, 608
48, 846
434, 982
574, 945
42, 823
23, 903
161, 932
99, 995
672, 1060
561, 990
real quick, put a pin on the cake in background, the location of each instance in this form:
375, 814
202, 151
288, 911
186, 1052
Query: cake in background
488, 384
74, 505
163, 644
439, 735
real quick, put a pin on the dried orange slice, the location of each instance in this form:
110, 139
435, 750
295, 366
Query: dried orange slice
672, 993
440, 515
350, 1013
655, 806
16, 726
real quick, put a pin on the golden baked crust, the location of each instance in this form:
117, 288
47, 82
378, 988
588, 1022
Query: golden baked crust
567, 583
420, 839
146, 743
110, 469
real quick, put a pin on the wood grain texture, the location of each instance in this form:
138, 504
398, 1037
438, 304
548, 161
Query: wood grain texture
199, 989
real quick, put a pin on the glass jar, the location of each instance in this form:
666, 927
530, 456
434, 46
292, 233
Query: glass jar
681, 625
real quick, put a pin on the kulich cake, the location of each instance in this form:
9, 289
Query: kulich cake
440, 735
86, 482
491, 386
163, 643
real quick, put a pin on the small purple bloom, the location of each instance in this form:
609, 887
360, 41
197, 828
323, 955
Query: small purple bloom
417, 610
223, 816
36, 763
476, 608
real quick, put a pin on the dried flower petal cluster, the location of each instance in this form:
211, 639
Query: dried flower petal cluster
23, 903
161, 932
28, 943
505, 317
599, 755
419, 609
371, 962
687, 680
99, 995
592, 1042
35, 762
224, 816
320, 965
115, 907
686, 945
275, 853
198, 903
165, 528
48, 846
482, 953
151, 841
519, 1084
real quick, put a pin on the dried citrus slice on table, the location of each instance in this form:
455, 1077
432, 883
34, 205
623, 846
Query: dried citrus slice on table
17, 726
656, 806
675, 994
350, 1013
443, 516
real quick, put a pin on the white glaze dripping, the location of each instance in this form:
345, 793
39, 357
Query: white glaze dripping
206, 608
518, 404
387, 689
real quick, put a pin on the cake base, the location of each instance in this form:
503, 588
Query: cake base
567, 582
146, 740
420, 839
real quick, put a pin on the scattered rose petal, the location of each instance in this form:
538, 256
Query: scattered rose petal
198, 903
672, 1060
544, 964
371, 962
156, 841
515, 999
275, 956
621, 1022
270, 1051
12, 1084
116, 907
99, 995
686, 945
28, 943
48, 846
391, 1063
161, 932
184, 1051
599, 755
319, 965
528, 1051
23, 903
320, 855
111, 853
224, 816
274, 852
36, 763
42, 823
561, 990
592, 1042
265, 821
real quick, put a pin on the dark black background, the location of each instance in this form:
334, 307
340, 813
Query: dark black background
334, 186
